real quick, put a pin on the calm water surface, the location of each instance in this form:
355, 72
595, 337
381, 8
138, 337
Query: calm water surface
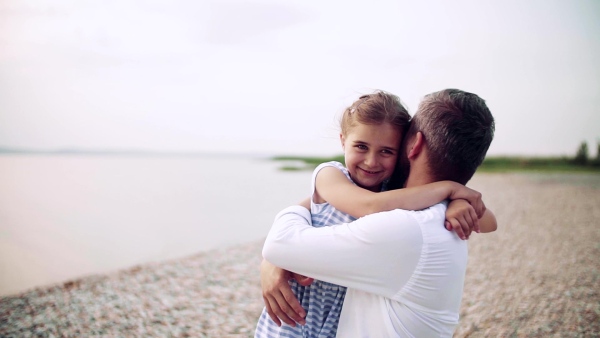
66, 216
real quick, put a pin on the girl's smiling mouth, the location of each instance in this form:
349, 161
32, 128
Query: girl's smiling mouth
369, 171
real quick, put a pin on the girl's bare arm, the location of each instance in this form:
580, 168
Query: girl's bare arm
333, 187
487, 223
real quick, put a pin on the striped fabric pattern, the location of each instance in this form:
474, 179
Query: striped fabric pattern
322, 300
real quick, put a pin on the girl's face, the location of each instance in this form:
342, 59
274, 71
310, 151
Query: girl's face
371, 152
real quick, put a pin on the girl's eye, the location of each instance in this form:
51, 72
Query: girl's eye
361, 146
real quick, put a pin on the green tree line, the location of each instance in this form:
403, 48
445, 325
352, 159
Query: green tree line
580, 162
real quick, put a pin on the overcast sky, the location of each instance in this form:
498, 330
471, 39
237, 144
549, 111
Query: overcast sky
271, 77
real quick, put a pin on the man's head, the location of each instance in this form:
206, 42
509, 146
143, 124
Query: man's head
457, 128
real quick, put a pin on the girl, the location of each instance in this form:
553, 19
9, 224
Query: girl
371, 132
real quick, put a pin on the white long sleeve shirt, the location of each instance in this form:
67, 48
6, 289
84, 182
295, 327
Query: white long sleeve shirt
404, 271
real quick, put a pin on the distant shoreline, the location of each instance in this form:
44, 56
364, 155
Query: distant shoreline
302, 163
490, 164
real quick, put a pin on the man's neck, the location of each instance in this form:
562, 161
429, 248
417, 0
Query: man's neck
419, 174
417, 180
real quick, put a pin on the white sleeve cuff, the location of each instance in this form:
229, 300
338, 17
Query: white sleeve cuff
295, 209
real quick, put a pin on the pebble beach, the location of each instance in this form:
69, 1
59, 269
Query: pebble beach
538, 275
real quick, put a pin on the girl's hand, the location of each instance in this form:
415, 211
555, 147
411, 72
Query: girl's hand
459, 191
461, 217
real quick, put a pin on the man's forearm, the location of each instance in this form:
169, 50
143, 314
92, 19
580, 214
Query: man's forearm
362, 254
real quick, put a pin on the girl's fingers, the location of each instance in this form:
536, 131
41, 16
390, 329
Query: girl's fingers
470, 221
466, 228
271, 312
457, 227
475, 220
479, 208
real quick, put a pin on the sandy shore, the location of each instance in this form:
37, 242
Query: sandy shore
537, 276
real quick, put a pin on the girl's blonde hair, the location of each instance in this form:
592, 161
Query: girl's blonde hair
377, 108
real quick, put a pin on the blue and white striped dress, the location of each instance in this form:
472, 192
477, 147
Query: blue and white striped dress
322, 301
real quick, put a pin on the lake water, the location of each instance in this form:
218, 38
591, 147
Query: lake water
66, 216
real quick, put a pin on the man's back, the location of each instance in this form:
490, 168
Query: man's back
404, 271
422, 306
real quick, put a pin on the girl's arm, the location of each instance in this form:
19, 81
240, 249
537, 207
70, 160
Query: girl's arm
487, 223
335, 188
305, 203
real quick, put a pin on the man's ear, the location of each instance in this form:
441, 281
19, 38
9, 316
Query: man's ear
416, 146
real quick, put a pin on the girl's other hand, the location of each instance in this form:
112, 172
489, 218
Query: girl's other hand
462, 218
471, 196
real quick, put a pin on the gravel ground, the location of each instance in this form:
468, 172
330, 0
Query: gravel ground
537, 276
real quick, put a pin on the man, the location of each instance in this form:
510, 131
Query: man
404, 271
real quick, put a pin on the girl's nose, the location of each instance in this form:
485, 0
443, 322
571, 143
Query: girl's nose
370, 160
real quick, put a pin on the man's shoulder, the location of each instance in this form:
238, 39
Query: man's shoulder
436, 212
432, 223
